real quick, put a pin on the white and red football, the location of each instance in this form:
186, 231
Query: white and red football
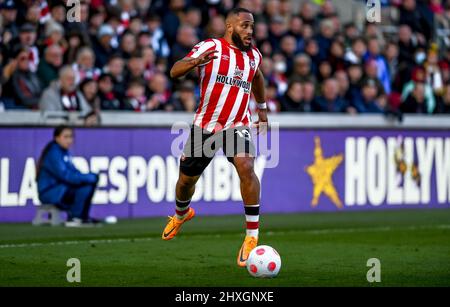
264, 262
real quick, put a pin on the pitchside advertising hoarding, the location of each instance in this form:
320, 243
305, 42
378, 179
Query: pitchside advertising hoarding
316, 170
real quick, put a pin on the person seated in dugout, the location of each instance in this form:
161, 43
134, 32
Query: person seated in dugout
61, 184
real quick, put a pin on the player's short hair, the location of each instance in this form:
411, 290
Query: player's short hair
237, 11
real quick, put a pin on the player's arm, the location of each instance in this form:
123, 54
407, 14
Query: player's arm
259, 93
186, 64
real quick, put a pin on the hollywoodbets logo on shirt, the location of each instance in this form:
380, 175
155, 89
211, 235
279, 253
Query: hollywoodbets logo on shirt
235, 81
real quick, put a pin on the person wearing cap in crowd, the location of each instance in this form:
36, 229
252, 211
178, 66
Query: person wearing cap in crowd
27, 38
8, 11
418, 76
102, 45
54, 34
62, 94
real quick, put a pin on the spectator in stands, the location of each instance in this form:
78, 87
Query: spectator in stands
357, 51
172, 20
291, 101
184, 99
27, 38
193, 18
279, 73
58, 11
295, 29
149, 61
373, 54
135, 99
418, 76
115, 67
62, 95
216, 27
185, 40
433, 71
312, 50
158, 39
75, 42
416, 101
391, 55
324, 71
135, 67
89, 88
54, 35
418, 17
406, 45
302, 67
10, 30
60, 183
309, 93
127, 44
84, 66
277, 29
102, 45
330, 101
5, 102
288, 48
158, 94
342, 79
368, 102
443, 105
49, 66
109, 100
336, 56
307, 13
325, 38
25, 83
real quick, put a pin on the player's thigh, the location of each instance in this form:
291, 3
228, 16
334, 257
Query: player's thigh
198, 152
238, 143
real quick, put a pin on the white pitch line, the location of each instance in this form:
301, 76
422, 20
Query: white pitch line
269, 233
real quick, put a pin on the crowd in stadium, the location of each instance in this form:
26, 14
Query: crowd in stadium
117, 57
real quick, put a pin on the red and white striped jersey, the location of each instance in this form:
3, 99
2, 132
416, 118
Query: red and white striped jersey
225, 85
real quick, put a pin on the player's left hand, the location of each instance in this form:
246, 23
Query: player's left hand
262, 124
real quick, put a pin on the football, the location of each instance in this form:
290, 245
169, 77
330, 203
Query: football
264, 262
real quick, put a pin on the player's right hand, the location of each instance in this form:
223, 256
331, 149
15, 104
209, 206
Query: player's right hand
206, 57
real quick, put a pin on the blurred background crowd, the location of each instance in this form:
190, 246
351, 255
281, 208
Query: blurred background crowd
117, 57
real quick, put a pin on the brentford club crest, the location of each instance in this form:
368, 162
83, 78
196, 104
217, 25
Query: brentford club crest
252, 64
238, 73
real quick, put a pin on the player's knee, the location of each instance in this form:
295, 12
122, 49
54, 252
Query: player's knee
246, 170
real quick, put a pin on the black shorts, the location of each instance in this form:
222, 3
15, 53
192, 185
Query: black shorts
202, 145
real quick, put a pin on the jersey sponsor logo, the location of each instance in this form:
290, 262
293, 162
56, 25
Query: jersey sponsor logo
225, 57
234, 82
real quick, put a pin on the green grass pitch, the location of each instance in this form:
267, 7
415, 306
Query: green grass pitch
317, 249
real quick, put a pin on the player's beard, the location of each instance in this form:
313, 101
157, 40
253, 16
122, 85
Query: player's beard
239, 42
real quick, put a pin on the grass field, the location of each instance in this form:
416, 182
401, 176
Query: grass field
323, 249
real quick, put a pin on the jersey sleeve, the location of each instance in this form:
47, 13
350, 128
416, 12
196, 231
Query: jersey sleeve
201, 47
